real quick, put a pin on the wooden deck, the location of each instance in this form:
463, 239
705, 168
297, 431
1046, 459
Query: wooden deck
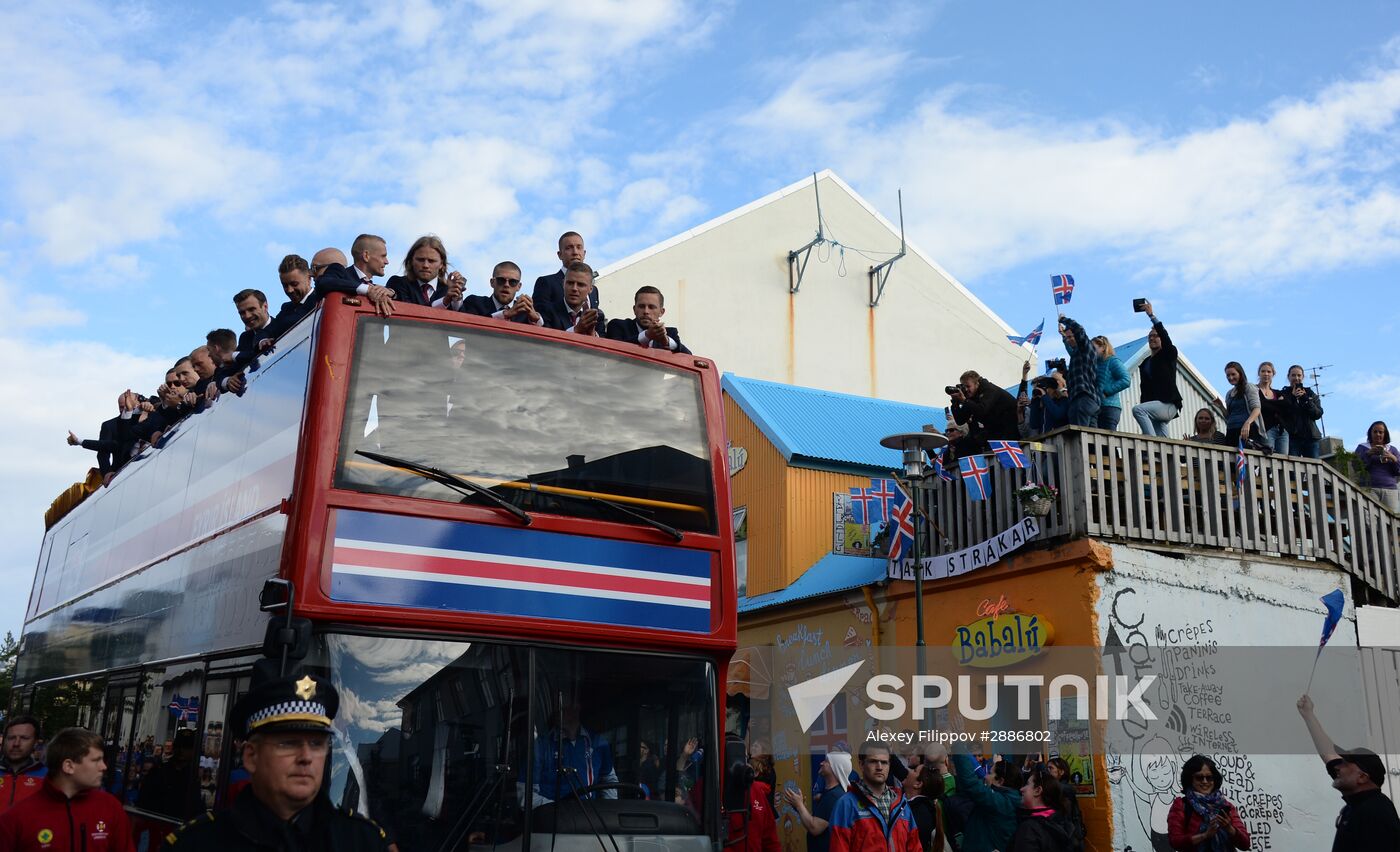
1137, 489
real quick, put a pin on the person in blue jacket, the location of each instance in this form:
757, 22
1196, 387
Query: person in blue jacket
1113, 380
994, 802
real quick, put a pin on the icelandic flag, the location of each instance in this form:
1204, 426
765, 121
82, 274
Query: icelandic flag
860, 503
977, 476
939, 470
1334, 601
1063, 287
901, 526
1033, 338
1009, 453
185, 709
883, 493
1241, 466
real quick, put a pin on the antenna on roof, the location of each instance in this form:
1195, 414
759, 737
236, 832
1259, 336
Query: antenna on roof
881, 273
794, 269
1317, 389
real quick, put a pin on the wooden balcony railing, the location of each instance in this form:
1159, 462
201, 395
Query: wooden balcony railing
1134, 488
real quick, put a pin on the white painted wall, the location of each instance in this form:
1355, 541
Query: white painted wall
726, 289
1146, 599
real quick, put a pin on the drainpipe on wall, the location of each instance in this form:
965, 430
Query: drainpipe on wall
874, 616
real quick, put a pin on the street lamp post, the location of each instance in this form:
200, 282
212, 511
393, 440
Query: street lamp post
913, 445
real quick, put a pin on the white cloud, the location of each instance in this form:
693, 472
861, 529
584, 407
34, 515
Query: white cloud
1307, 185
1380, 392
62, 385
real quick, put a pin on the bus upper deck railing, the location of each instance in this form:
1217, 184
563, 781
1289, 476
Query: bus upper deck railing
1134, 488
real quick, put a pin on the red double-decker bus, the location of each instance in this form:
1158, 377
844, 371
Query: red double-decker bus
509, 547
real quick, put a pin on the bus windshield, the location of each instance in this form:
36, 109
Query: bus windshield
550, 428
455, 745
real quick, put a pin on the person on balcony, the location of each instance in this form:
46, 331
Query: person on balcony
1301, 411
988, 412
1382, 463
1242, 411
1085, 398
1206, 430
1113, 380
1161, 400
1271, 403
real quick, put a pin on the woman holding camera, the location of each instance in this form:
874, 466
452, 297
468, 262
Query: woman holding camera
1382, 463
1242, 410
1302, 410
1113, 380
1272, 411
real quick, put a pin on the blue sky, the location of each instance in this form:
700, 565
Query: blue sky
1235, 162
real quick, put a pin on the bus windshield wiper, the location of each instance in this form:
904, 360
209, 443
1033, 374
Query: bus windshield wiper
623, 510
456, 483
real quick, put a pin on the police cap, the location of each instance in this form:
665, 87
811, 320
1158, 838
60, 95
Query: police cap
299, 703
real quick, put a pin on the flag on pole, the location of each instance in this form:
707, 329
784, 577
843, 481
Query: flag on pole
1241, 466
860, 504
901, 526
1033, 338
1009, 453
977, 476
1334, 601
1063, 287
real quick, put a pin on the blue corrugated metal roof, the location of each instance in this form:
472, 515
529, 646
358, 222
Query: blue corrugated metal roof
832, 573
1126, 352
807, 424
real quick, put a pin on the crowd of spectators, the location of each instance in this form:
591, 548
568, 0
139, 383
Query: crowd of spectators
565, 300
1086, 390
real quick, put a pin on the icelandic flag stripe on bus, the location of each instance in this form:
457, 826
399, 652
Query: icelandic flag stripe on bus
437, 564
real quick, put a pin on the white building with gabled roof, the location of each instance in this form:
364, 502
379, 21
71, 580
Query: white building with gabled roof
728, 290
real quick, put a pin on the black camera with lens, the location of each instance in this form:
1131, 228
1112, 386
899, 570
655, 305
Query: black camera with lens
952, 389
1053, 364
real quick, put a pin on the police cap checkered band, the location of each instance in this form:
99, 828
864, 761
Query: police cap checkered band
288, 712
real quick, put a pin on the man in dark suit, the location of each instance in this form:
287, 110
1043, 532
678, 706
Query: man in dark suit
647, 329
549, 289
294, 273
504, 303
252, 309
426, 281
577, 317
332, 273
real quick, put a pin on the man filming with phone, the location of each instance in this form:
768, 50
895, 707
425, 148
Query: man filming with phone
987, 411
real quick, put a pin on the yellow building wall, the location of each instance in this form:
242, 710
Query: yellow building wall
759, 487
809, 535
1059, 584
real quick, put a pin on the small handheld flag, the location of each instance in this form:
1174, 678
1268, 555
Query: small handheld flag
977, 476
184, 709
1241, 467
1334, 601
939, 470
1033, 338
1063, 287
1009, 453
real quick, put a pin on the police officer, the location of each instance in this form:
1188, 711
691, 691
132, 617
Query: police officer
286, 731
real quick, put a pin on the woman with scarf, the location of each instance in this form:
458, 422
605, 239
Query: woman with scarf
1203, 820
1042, 825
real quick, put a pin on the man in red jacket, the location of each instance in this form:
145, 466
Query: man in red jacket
70, 811
873, 816
21, 775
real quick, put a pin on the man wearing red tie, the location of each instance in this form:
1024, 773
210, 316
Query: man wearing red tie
577, 317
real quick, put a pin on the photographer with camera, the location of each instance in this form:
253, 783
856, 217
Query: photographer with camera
1049, 406
987, 411
1082, 375
1161, 401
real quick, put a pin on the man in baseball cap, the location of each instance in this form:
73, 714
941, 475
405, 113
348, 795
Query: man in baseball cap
285, 725
1368, 820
